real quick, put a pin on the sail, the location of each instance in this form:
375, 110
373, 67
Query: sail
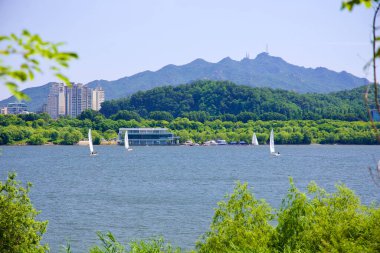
126, 141
90, 141
254, 140
271, 142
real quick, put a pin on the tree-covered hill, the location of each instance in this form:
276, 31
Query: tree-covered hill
204, 100
263, 71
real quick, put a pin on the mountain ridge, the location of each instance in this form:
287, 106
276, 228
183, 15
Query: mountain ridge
262, 71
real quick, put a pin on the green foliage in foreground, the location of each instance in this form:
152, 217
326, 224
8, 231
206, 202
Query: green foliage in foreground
315, 221
19, 229
110, 245
29, 49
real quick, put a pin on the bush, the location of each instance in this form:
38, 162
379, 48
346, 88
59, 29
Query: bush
110, 244
240, 224
71, 137
36, 139
315, 221
19, 229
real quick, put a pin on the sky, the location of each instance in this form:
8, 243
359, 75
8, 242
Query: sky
118, 38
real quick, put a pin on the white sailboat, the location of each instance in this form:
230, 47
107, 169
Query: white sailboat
92, 152
254, 140
271, 144
126, 142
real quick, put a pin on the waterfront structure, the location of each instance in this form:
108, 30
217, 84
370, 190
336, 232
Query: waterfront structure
17, 108
97, 98
148, 136
72, 101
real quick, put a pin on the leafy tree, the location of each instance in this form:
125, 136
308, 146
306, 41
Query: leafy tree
161, 115
20, 231
110, 134
36, 139
30, 48
126, 115
96, 138
246, 116
241, 223
315, 221
71, 137
200, 116
90, 114
326, 222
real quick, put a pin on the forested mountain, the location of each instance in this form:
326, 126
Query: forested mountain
263, 71
203, 100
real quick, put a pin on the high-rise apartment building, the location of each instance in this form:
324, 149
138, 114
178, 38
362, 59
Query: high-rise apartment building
71, 101
56, 105
78, 99
97, 98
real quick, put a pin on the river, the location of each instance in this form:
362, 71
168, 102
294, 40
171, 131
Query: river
169, 191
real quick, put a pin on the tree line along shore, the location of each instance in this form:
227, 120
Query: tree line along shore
40, 129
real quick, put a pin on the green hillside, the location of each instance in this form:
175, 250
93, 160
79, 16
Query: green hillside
205, 100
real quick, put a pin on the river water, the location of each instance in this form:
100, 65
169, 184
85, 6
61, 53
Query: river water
169, 191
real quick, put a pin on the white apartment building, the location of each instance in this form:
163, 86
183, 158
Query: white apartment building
56, 105
97, 98
72, 101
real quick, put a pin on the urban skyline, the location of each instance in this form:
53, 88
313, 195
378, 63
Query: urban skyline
72, 101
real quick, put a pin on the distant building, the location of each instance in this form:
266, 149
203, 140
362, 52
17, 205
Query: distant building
375, 115
148, 136
44, 108
97, 98
72, 101
4, 110
78, 99
56, 105
17, 108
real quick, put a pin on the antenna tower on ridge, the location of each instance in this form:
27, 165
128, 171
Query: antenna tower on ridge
247, 55
266, 49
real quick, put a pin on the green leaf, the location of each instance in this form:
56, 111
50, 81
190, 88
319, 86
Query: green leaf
31, 74
4, 52
19, 75
11, 86
34, 61
377, 55
72, 54
4, 38
14, 37
54, 68
26, 33
63, 78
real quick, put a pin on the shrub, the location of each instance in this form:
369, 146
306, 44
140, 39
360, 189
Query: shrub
19, 229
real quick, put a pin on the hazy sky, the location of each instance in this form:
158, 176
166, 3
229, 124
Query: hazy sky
118, 38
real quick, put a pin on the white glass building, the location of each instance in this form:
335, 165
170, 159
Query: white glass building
148, 136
